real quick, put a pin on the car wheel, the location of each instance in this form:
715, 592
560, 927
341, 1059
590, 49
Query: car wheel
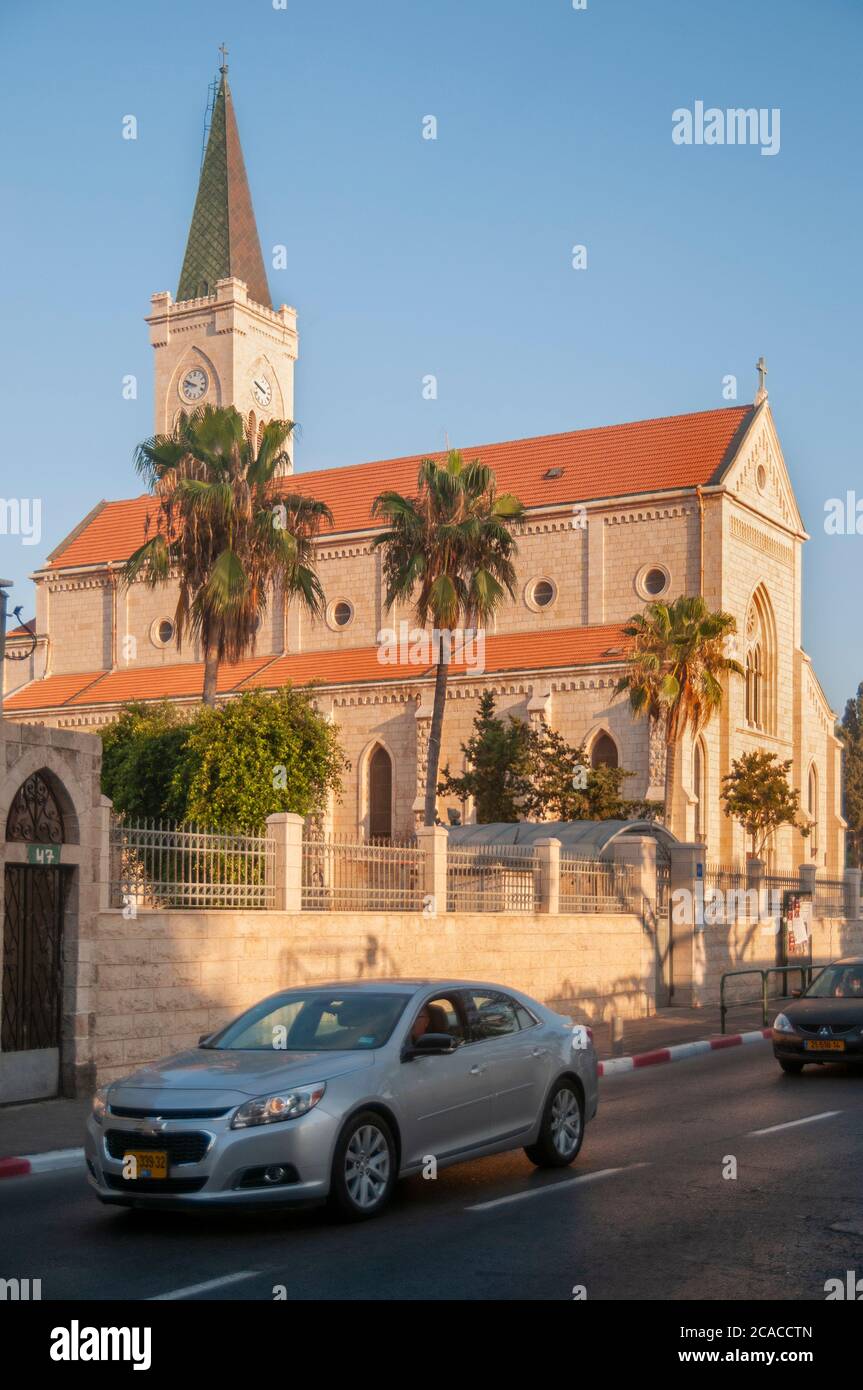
562, 1128
364, 1167
789, 1067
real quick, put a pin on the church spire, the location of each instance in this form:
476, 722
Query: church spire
223, 238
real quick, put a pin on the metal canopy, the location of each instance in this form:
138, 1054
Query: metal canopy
591, 837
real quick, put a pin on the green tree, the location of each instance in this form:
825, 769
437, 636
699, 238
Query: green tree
496, 757
257, 755
851, 732
227, 768
224, 531
449, 549
757, 794
675, 671
561, 784
140, 752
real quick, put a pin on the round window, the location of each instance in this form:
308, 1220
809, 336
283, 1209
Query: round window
655, 581
340, 613
761, 477
543, 593
161, 632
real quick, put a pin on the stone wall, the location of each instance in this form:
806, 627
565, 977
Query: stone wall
157, 982
742, 945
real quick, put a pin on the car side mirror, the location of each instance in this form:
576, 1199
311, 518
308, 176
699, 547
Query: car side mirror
431, 1045
204, 1038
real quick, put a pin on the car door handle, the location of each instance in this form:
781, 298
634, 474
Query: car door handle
477, 1070
538, 1052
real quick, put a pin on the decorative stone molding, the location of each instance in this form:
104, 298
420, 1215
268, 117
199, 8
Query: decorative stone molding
753, 535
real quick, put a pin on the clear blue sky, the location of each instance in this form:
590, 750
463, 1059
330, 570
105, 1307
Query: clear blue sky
408, 257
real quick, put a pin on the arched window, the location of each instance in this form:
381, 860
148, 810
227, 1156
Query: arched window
604, 752
760, 665
699, 789
380, 795
812, 807
35, 815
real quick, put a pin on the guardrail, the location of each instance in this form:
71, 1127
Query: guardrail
804, 970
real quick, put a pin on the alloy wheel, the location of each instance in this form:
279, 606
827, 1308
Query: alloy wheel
565, 1121
367, 1166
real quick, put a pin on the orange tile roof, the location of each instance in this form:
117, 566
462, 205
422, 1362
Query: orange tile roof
518, 651
50, 692
612, 461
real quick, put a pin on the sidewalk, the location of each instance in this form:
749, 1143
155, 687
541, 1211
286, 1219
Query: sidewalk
42, 1126
671, 1026
48, 1125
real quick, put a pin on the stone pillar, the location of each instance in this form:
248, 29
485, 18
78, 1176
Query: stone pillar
639, 851
852, 894
548, 852
103, 859
686, 921
808, 875
287, 831
433, 840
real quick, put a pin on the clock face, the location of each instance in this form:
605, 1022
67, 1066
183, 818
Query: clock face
194, 384
262, 390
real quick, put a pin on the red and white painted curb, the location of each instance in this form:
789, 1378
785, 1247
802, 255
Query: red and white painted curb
614, 1065
53, 1162
59, 1159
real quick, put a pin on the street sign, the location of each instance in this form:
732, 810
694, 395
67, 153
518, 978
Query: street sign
43, 854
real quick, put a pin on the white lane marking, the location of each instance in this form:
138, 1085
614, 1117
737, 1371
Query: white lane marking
555, 1187
790, 1124
204, 1288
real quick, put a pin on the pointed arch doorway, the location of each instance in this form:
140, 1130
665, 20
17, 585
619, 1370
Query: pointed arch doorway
34, 905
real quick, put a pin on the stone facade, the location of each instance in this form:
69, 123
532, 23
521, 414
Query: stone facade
737, 538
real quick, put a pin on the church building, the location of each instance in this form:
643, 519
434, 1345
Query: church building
615, 517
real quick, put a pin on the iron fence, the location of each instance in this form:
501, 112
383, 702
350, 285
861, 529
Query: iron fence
493, 878
159, 864
829, 897
596, 885
345, 875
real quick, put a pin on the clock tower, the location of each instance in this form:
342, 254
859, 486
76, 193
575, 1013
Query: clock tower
220, 342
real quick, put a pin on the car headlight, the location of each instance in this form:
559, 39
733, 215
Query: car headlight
782, 1024
100, 1104
285, 1105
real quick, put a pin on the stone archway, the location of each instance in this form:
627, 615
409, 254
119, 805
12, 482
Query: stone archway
34, 896
53, 856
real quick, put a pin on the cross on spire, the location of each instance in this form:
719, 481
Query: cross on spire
223, 49
761, 393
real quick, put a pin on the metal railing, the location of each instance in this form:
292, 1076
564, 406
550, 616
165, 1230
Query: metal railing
805, 971
595, 885
158, 864
829, 898
362, 875
493, 878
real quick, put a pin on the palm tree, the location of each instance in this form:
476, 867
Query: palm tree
675, 670
225, 530
453, 546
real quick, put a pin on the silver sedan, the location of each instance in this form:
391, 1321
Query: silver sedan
337, 1090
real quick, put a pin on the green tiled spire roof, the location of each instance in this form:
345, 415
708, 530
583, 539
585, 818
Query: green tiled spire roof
223, 237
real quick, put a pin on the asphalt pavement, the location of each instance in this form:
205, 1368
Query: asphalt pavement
648, 1211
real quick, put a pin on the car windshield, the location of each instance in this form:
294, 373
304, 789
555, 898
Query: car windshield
315, 1021
838, 982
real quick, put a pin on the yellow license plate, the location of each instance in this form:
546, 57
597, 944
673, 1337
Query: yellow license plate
147, 1163
824, 1046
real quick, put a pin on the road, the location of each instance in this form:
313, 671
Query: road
645, 1213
